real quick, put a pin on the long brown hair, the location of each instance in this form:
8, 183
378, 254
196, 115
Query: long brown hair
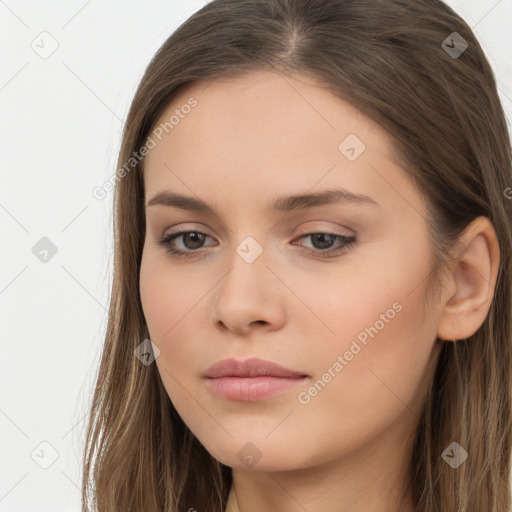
389, 59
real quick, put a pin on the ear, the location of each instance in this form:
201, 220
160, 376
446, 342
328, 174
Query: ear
470, 283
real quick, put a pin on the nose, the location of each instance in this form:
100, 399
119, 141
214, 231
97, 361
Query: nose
249, 297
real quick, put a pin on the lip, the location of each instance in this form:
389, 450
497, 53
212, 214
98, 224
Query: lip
253, 367
251, 380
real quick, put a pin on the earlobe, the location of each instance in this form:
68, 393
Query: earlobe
473, 279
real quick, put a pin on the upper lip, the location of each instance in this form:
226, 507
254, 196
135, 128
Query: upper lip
253, 367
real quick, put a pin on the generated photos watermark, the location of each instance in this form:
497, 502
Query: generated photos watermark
100, 192
305, 397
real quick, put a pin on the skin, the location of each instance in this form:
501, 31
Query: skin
249, 140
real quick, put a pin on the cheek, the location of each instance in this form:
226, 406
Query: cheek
175, 310
379, 382
381, 334
157, 298
167, 294
359, 299
166, 297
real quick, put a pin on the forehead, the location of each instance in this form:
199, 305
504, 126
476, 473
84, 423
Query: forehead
260, 100
262, 103
264, 132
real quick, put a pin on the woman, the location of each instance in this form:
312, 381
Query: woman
311, 304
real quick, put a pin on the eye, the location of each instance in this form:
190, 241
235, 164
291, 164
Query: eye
192, 240
325, 241
322, 243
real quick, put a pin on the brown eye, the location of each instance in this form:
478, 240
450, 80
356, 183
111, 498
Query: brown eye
191, 242
323, 242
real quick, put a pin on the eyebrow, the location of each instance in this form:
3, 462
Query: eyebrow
281, 204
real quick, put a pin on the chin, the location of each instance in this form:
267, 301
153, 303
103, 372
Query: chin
260, 455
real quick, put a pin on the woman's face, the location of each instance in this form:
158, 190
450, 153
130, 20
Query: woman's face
332, 288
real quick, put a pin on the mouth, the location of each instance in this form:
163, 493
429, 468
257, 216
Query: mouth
251, 389
251, 380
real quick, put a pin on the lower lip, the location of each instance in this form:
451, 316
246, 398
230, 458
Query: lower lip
251, 389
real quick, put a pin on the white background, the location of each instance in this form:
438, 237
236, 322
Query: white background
61, 127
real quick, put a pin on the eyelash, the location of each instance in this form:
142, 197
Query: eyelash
348, 243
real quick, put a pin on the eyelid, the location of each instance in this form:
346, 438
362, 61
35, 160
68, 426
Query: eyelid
347, 243
323, 223
303, 230
179, 228
324, 231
